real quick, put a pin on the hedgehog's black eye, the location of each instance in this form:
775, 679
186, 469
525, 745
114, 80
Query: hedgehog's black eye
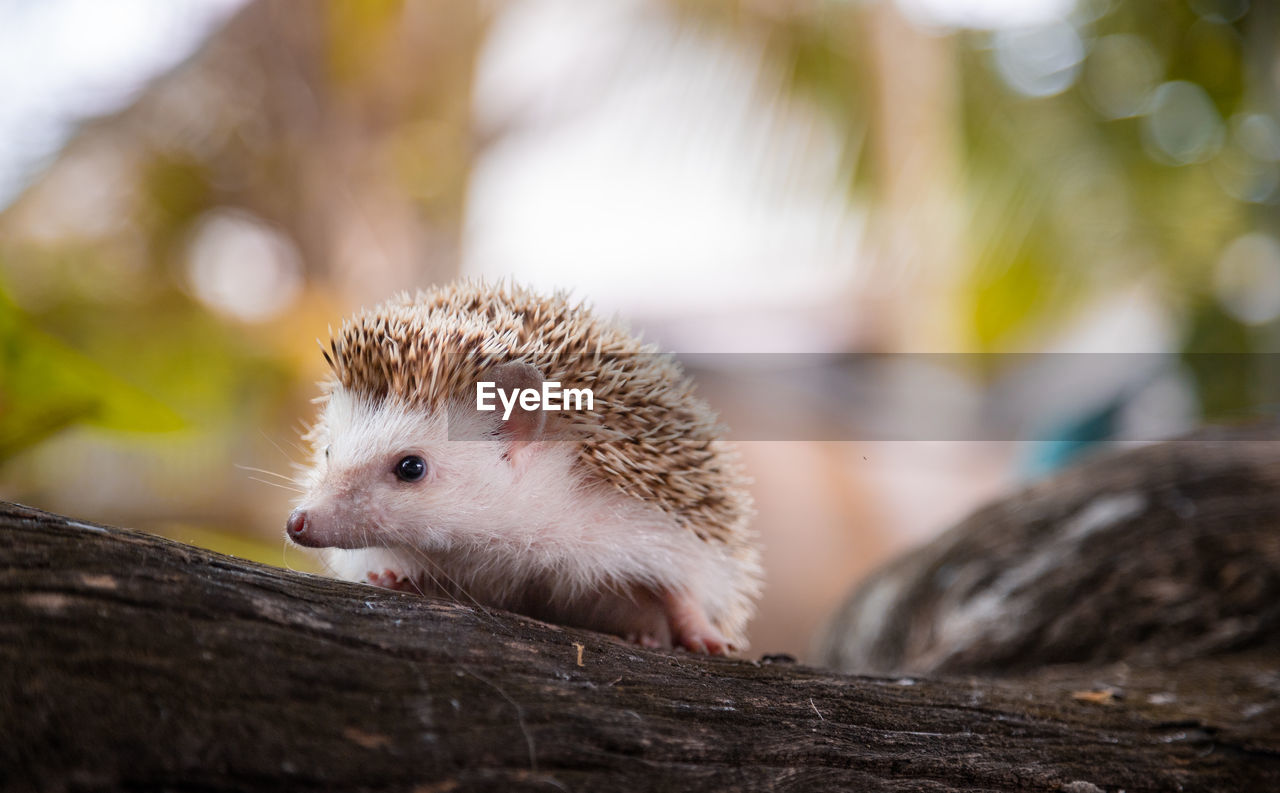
326, 452
411, 468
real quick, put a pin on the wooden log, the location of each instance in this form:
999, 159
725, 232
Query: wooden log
131, 662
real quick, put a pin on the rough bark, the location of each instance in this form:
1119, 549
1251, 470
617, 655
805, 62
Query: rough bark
132, 662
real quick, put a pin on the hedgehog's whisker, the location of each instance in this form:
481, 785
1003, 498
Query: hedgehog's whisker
284, 555
422, 556
327, 566
300, 430
288, 488
455, 585
265, 472
280, 448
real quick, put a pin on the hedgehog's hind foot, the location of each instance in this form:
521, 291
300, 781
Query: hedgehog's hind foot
690, 627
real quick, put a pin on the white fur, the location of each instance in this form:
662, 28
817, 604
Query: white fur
492, 528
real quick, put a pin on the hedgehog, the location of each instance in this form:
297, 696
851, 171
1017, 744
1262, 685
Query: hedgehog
629, 515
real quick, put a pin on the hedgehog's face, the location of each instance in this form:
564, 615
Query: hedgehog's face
387, 475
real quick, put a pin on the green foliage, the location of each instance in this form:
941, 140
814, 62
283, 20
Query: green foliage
46, 386
1098, 208
1016, 271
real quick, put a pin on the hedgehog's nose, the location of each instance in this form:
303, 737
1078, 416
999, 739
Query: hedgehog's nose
296, 528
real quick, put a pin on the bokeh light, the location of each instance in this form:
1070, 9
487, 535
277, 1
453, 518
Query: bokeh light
1247, 278
1040, 61
1121, 75
241, 267
1184, 125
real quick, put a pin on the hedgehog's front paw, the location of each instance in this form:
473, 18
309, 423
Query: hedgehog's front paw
691, 629
390, 579
647, 640
708, 643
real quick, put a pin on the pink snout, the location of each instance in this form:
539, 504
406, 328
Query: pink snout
317, 527
297, 529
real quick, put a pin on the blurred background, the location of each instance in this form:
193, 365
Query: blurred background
984, 236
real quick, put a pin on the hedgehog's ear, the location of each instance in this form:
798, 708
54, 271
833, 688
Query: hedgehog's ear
523, 427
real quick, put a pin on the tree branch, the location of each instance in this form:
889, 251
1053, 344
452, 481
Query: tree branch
129, 661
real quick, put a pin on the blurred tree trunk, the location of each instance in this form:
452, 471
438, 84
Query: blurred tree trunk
915, 123
1161, 555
